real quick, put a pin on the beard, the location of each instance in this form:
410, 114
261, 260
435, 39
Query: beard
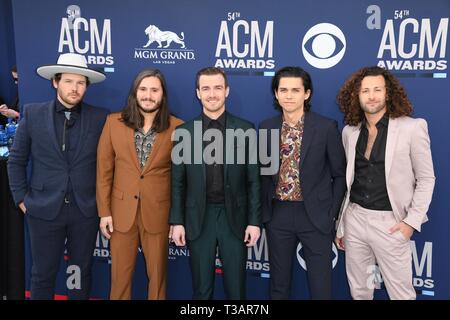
157, 105
374, 108
72, 101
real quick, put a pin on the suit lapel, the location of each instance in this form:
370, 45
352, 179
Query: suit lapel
85, 123
197, 140
276, 125
308, 135
159, 138
351, 153
390, 145
50, 119
229, 124
129, 138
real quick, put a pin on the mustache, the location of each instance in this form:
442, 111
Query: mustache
148, 99
147, 110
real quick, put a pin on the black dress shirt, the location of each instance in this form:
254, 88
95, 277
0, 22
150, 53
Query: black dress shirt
369, 186
68, 130
67, 124
214, 172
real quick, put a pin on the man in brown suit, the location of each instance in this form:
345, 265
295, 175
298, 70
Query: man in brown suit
133, 184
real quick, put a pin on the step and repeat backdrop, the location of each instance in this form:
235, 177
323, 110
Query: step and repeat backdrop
250, 40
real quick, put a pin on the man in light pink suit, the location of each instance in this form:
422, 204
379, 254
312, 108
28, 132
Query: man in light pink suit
390, 179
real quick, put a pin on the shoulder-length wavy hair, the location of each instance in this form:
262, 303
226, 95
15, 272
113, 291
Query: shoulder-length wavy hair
131, 115
397, 102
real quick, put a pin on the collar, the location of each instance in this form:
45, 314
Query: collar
383, 122
59, 107
206, 120
297, 126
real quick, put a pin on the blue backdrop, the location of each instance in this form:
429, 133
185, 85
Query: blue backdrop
8, 90
250, 40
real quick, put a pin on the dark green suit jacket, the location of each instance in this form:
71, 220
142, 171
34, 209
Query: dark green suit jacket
241, 180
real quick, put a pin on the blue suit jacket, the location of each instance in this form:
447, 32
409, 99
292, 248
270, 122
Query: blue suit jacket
322, 170
36, 140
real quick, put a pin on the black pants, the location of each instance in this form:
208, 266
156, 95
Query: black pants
289, 226
47, 247
12, 244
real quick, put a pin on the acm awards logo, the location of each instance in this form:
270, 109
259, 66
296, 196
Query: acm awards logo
89, 37
302, 262
258, 255
101, 251
410, 44
164, 47
243, 44
323, 45
423, 267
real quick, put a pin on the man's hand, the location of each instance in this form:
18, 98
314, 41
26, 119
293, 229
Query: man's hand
9, 113
106, 226
404, 228
252, 234
179, 235
340, 243
170, 233
22, 207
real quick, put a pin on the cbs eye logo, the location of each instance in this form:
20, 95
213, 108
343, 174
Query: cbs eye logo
302, 262
323, 45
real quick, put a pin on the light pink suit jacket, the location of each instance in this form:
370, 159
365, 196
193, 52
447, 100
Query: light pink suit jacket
408, 169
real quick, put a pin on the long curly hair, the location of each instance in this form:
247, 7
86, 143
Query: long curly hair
397, 102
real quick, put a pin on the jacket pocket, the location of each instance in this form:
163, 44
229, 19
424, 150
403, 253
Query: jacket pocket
190, 203
116, 193
324, 195
241, 201
37, 186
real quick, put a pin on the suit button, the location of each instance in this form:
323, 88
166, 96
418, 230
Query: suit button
136, 197
227, 185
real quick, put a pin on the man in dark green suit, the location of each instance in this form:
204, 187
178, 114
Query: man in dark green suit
215, 189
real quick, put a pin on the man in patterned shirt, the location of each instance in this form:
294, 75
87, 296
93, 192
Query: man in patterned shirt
133, 184
301, 201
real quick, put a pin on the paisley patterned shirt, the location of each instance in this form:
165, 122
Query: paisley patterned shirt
144, 144
288, 188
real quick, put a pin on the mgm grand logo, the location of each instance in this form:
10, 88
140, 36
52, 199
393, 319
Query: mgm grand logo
164, 47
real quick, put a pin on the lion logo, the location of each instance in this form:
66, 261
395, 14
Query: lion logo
156, 35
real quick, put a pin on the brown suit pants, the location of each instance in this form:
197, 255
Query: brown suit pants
124, 248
